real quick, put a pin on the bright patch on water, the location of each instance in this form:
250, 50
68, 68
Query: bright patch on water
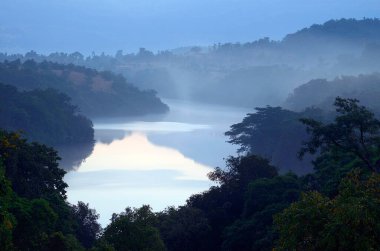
136, 153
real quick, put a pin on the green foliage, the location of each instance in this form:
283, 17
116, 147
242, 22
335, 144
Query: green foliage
251, 207
184, 228
300, 225
350, 221
45, 116
32, 168
134, 230
33, 212
330, 168
223, 205
35, 221
264, 198
27, 224
261, 193
7, 220
355, 131
87, 229
59, 242
252, 233
102, 245
254, 208
274, 133
240, 171
265, 122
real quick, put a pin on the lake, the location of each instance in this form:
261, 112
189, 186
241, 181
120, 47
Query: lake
159, 161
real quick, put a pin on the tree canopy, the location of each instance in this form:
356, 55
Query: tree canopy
34, 213
46, 116
355, 131
276, 134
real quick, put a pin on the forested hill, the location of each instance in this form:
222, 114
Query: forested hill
359, 32
48, 117
321, 92
97, 94
45, 116
250, 74
348, 30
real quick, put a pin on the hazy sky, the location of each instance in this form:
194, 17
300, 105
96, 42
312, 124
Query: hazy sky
108, 25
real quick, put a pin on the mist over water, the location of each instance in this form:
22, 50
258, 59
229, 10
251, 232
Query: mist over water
185, 125
156, 162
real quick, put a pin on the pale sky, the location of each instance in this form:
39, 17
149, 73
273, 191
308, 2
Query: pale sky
109, 25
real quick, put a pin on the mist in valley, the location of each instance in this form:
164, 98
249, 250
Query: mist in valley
189, 125
258, 73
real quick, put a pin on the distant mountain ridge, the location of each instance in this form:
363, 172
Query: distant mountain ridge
258, 73
362, 31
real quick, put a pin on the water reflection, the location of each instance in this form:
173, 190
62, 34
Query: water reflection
160, 163
108, 136
143, 126
72, 156
136, 152
112, 191
130, 170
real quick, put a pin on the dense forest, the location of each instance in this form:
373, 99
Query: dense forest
257, 73
43, 115
96, 94
251, 206
34, 214
275, 132
48, 117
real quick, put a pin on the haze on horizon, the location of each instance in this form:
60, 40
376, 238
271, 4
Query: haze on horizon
105, 26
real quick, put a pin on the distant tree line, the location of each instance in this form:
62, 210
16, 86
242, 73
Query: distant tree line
96, 94
246, 74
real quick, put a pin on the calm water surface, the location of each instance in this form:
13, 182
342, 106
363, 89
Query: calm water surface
157, 161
